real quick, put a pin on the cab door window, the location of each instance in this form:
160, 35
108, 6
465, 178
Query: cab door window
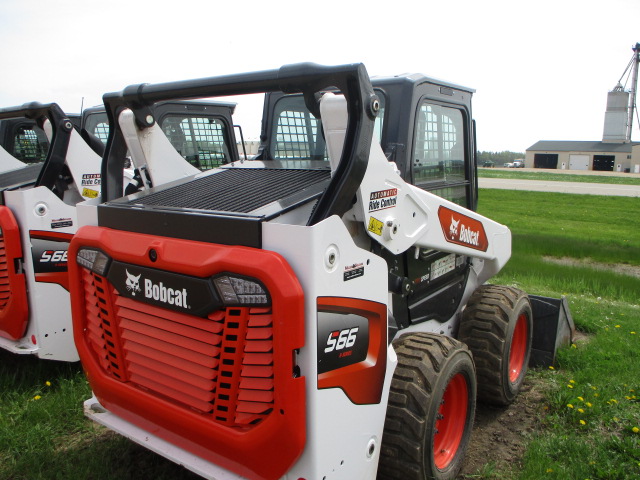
439, 152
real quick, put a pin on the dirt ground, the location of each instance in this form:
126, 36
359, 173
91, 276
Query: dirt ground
500, 434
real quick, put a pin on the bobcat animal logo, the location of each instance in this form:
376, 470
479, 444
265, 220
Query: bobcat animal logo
453, 229
133, 283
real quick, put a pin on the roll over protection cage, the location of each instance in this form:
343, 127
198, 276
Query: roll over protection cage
306, 78
62, 127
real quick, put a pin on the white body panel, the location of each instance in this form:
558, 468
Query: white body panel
49, 334
8, 162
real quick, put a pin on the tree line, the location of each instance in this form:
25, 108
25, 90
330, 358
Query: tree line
499, 158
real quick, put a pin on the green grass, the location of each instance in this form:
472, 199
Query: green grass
596, 381
44, 435
517, 174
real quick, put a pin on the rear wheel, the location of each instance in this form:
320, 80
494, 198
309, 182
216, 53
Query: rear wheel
431, 409
497, 325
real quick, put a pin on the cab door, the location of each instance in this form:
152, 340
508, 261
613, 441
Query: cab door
442, 162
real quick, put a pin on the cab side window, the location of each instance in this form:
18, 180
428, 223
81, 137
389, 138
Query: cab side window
298, 135
297, 132
30, 145
439, 152
200, 140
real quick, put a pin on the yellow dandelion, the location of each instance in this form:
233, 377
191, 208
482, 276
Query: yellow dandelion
551, 367
37, 397
549, 470
573, 345
635, 429
47, 383
616, 419
581, 410
582, 422
581, 399
596, 394
633, 333
617, 326
627, 397
572, 381
613, 400
588, 404
570, 386
569, 405
592, 462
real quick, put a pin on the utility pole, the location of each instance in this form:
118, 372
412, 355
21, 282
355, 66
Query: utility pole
634, 90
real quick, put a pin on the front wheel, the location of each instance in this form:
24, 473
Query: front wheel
497, 325
431, 409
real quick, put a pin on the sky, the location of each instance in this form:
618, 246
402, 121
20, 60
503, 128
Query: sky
541, 69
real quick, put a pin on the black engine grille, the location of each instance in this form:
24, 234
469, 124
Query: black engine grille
240, 190
225, 207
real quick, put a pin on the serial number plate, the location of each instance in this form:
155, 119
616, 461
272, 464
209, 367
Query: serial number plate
443, 265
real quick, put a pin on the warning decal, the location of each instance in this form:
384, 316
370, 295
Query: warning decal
375, 226
89, 193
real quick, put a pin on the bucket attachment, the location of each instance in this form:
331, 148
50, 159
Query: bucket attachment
553, 327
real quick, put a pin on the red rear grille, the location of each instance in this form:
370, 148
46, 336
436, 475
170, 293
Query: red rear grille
5, 288
221, 365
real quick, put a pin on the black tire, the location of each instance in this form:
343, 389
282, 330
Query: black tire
430, 368
487, 327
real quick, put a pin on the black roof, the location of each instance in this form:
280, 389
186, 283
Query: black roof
581, 146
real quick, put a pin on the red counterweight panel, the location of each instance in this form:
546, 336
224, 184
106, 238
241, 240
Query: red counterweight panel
223, 384
14, 307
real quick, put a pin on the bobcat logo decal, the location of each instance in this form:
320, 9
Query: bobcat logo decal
133, 283
453, 229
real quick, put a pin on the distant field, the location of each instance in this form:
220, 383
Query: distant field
556, 177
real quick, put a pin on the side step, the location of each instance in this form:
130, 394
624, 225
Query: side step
553, 327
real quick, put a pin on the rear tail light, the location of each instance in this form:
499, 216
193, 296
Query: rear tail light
235, 291
94, 260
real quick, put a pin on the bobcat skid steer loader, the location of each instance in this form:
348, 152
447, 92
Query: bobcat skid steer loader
38, 218
37, 221
304, 316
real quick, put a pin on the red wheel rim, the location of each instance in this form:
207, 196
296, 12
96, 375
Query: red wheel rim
518, 348
451, 421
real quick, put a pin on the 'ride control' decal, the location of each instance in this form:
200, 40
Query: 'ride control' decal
383, 199
462, 230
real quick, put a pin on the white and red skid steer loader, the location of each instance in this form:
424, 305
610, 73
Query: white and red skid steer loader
38, 215
37, 221
314, 314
